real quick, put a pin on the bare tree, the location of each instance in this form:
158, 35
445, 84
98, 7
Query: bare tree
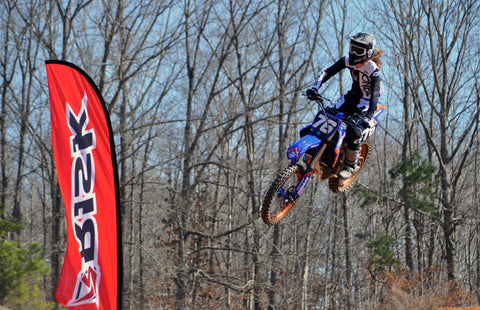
8, 65
204, 97
448, 28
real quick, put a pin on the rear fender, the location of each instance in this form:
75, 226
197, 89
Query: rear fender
380, 109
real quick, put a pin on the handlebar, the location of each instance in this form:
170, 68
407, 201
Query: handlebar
326, 105
319, 99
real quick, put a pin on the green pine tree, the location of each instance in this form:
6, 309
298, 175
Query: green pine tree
419, 182
382, 256
21, 267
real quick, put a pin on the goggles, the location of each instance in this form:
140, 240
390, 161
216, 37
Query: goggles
357, 51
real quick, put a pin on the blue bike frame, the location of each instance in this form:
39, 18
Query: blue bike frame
322, 130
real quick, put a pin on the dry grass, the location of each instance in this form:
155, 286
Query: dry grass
402, 294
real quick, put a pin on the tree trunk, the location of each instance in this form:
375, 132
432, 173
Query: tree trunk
348, 262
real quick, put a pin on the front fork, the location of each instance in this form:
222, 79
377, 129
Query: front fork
291, 194
301, 184
305, 177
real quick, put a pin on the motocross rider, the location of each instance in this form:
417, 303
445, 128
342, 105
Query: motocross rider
364, 63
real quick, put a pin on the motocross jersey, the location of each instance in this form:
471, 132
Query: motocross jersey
366, 87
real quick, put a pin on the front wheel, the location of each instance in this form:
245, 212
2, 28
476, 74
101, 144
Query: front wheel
338, 185
279, 198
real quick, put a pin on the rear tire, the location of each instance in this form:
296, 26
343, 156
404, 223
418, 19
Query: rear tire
278, 200
338, 185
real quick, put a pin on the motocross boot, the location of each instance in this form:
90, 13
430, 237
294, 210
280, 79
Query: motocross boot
350, 164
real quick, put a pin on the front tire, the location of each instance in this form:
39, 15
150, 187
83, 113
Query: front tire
338, 185
279, 197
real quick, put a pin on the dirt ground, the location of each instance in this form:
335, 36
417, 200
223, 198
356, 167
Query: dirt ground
463, 308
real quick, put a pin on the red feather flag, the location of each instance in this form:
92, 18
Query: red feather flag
85, 161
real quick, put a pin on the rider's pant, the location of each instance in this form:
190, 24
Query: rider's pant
353, 136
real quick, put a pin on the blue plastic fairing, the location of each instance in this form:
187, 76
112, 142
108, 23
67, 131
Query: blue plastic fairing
298, 148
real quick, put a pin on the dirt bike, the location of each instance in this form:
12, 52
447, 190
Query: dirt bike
320, 150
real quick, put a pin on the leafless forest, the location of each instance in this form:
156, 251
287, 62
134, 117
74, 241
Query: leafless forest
204, 98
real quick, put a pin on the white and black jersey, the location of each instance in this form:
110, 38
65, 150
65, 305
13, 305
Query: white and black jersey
366, 87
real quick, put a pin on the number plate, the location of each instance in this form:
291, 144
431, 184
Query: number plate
323, 125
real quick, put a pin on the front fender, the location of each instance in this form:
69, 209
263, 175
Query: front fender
298, 148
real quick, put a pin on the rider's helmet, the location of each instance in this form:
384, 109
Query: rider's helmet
362, 46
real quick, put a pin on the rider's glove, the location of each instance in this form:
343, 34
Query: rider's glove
367, 122
312, 93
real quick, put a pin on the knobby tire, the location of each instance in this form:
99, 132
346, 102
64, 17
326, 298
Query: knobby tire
273, 198
338, 185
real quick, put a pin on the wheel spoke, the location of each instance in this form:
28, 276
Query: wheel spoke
280, 196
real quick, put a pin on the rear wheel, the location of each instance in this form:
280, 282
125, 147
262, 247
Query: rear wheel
279, 198
338, 185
